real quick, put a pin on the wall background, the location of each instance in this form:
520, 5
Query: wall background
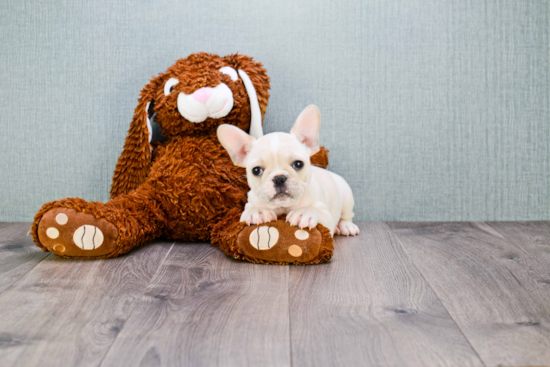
432, 110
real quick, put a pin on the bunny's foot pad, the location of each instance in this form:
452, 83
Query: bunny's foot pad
279, 243
70, 233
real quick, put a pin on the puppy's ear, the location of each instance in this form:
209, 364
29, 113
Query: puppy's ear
135, 160
236, 142
307, 126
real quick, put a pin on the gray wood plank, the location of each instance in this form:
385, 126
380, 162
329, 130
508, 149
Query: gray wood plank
533, 237
68, 312
370, 306
18, 254
487, 284
6, 224
205, 309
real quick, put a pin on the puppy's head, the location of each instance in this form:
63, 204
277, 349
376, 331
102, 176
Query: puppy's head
277, 165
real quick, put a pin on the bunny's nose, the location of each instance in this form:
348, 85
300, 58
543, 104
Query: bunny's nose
203, 95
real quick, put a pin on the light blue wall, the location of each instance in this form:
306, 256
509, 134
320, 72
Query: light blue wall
433, 110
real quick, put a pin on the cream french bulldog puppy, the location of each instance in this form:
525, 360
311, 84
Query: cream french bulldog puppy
283, 181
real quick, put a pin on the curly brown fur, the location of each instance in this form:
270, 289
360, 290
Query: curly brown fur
320, 159
194, 72
190, 186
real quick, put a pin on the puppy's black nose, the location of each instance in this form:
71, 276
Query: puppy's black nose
279, 181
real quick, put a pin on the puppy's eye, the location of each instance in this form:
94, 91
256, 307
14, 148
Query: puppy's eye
169, 86
227, 70
298, 165
257, 171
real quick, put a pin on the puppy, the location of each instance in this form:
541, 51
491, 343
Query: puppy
283, 181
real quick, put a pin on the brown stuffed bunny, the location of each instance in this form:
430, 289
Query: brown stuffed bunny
184, 187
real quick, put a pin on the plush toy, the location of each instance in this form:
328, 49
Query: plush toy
174, 179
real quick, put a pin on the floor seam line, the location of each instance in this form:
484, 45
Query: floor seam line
518, 246
289, 318
32, 268
25, 274
513, 243
435, 293
131, 313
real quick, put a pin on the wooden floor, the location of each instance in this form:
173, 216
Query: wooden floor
400, 294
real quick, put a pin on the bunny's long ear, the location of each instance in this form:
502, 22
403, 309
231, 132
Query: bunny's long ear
135, 160
256, 82
255, 114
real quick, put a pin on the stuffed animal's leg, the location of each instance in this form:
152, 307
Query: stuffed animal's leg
272, 243
80, 229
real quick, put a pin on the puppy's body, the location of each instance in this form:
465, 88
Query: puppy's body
283, 181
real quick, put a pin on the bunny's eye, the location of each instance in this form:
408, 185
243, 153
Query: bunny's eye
169, 86
227, 70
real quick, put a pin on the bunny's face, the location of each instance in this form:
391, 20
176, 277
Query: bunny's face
199, 93
192, 98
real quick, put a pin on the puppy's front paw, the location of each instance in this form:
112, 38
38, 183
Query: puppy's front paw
303, 218
346, 228
258, 216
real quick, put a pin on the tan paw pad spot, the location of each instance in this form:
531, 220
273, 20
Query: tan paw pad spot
59, 248
61, 218
295, 251
88, 237
264, 238
301, 234
52, 232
